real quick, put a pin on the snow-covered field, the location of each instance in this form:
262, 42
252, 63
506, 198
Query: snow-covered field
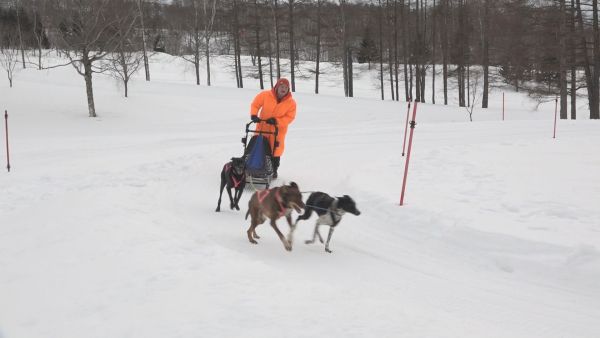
108, 229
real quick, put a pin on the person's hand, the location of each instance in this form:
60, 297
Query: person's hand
272, 121
255, 118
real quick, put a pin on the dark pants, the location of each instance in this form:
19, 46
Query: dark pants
276, 161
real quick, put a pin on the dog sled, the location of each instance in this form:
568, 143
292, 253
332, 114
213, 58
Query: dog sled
258, 155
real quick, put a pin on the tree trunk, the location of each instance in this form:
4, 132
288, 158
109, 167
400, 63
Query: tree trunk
87, 66
396, 48
235, 62
144, 47
19, 29
418, 53
277, 48
486, 58
207, 56
350, 74
462, 54
595, 111
258, 51
407, 94
125, 71
318, 61
592, 102
292, 50
344, 48
563, 61
390, 55
433, 26
445, 51
381, 50
270, 56
573, 63
197, 67
236, 32
423, 60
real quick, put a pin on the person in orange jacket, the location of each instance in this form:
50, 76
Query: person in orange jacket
274, 107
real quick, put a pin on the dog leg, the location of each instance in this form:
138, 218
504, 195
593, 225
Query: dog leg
314, 235
286, 244
328, 239
319, 235
223, 183
231, 201
290, 236
251, 229
236, 198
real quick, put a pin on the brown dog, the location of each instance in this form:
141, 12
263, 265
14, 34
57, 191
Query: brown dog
273, 203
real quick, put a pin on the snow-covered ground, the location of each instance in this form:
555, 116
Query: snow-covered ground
108, 229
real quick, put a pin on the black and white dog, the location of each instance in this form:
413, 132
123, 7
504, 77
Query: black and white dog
330, 211
233, 176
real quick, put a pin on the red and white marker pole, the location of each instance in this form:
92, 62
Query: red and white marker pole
406, 126
413, 123
6, 129
555, 113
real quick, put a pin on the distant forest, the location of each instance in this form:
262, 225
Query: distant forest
546, 48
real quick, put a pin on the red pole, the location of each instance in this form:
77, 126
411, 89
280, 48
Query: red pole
6, 129
502, 106
555, 113
412, 129
406, 126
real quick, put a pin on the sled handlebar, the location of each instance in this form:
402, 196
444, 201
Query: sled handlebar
248, 130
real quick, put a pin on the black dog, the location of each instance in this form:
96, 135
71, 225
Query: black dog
233, 176
330, 211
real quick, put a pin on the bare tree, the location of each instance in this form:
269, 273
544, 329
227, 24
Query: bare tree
474, 94
9, 54
209, 10
197, 26
88, 31
124, 63
38, 10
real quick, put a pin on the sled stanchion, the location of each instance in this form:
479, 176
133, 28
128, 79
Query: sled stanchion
6, 130
413, 123
406, 126
555, 113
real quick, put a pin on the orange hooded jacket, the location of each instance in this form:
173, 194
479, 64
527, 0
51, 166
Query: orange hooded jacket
283, 111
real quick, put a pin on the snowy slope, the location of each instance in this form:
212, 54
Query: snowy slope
108, 229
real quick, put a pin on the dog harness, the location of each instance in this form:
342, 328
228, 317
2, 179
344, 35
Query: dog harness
333, 212
236, 182
262, 194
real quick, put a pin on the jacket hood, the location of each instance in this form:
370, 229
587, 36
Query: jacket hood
280, 82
